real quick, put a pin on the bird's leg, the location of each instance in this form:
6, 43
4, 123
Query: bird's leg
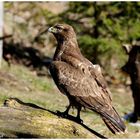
65, 113
67, 110
78, 119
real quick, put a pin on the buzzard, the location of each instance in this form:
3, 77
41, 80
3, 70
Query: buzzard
80, 80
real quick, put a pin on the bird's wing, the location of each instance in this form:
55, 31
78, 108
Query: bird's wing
95, 71
87, 92
84, 88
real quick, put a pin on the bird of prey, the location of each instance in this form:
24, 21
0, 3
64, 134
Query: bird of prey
80, 80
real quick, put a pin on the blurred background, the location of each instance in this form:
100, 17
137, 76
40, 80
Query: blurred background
102, 28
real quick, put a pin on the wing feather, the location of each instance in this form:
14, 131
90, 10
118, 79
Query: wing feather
84, 89
96, 72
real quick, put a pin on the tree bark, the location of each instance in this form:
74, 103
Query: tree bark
4, 37
132, 67
1, 29
26, 120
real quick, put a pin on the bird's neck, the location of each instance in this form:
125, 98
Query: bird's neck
66, 47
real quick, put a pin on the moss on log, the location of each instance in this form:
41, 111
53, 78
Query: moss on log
26, 120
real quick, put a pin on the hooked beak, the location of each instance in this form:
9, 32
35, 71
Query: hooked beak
52, 30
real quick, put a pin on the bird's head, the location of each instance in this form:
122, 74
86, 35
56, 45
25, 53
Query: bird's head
62, 31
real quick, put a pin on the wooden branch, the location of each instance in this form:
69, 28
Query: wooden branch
4, 37
26, 120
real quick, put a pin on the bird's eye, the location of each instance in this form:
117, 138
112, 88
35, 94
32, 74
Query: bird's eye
65, 30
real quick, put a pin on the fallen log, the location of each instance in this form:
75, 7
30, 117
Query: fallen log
26, 120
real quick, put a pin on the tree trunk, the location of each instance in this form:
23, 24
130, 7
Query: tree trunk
26, 120
1, 30
132, 67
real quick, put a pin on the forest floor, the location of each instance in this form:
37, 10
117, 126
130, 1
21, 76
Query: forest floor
17, 81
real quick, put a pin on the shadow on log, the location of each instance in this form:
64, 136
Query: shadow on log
27, 120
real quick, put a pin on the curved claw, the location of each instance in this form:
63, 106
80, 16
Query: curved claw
78, 120
66, 115
62, 114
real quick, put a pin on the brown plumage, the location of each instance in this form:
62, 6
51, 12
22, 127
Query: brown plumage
80, 80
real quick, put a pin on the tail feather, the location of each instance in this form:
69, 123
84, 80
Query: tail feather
113, 127
114, 122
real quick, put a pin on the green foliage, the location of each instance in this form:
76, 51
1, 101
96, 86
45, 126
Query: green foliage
102, 27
